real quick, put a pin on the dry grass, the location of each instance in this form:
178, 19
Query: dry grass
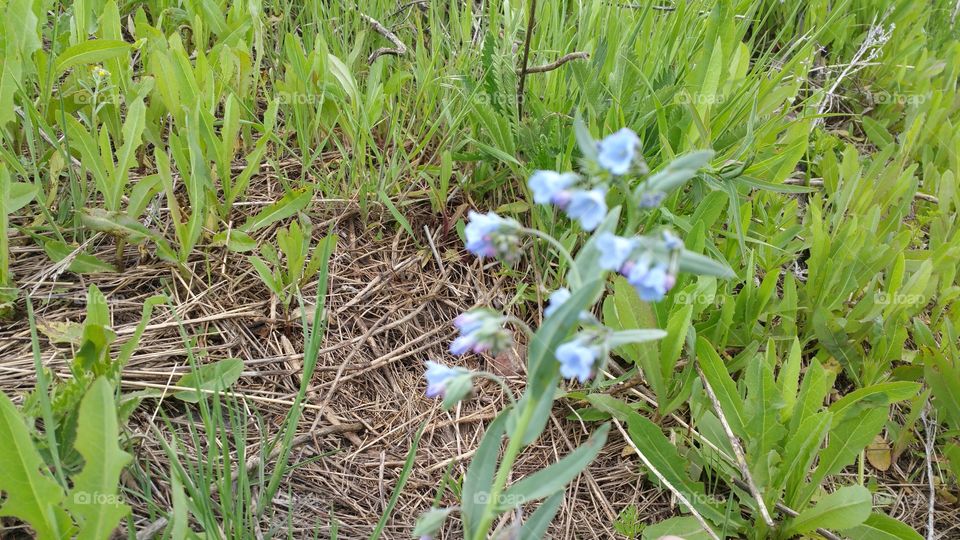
391, 302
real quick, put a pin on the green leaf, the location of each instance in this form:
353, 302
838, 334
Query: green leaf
267, 275
845, 508
128, 348
535, 527
95, 499
588, 146
479, 477
878, 395
235, 240
94, 51
789, 380
588, 258
686, 527
943, 376
133, 127
723, 386
21, 193
555, 477
287, 206
695, 263
623, 310
677, 172
800, 451
882, 527
663, 455
115, 223
395, 212
83, 263
541, 364
430, 521
847, 440
625, 337
209, 378
31, 495
678, 326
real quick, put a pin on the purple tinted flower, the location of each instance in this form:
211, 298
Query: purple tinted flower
462, 344
589, 207
438, 375
577, 359
652, 199
671, 241
557, 298
614, 250
468, 322
617, 151
481, 330
489, 235
550, 187
651, 281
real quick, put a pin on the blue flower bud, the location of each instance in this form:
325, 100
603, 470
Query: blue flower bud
617, 151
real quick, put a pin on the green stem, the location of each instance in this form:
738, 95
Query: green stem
503, 385
574, 273
509, 457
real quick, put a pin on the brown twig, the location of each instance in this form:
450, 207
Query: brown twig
663, 480
737, 451
398, 49
531, 20
818, 182
579, 55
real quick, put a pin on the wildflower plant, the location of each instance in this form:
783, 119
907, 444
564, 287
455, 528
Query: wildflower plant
571, 343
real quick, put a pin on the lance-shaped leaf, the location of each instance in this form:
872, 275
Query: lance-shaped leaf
625, 337
541, 362
663, 455
677, 172
287, 206
31, 495
882, 527
95, 51
723, 386
479, 478
95, 498
845, 508
209, 378
554, 478
535, 527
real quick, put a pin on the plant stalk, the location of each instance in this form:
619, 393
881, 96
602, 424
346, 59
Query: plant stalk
509, 457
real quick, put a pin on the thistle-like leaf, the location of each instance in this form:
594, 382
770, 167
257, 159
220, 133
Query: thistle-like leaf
95, 500
31, 495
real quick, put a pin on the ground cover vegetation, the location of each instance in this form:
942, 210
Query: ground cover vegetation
480, 269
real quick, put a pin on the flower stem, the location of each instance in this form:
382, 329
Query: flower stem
527, 331
574, 273
509, 457
503, 385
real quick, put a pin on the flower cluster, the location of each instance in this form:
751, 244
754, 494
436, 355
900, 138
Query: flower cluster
650, 273
439, 377
650, 265
579, 357
481, 330
489, 235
